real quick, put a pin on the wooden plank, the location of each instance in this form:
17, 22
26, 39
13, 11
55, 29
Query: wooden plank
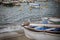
48, 25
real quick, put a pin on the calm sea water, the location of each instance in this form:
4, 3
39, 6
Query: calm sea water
22, 13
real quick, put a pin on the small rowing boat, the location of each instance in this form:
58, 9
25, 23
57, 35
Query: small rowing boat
34, 5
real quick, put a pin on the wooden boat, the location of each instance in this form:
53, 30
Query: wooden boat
11, 2
33, 5
6, 1
42, 34
55, 20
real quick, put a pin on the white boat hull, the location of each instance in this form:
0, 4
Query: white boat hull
41, 35
33, 5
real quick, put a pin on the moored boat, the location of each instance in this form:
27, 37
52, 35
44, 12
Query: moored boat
10, 2
42, 31
34, 5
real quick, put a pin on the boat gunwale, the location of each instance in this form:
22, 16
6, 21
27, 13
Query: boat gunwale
33, 30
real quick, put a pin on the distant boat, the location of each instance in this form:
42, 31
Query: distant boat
34, 5
9, 1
